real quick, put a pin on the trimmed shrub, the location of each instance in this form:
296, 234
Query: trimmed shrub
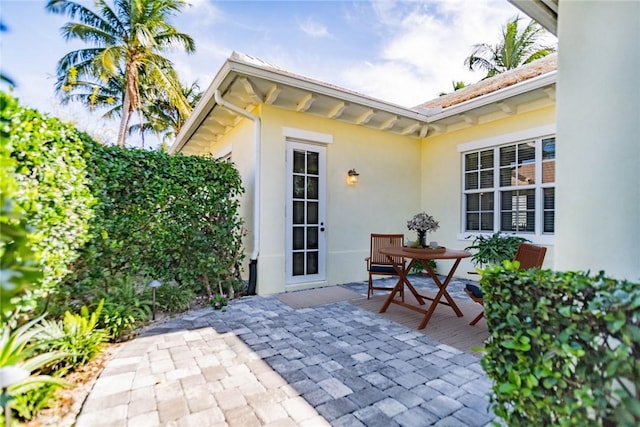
564, 348
52, 191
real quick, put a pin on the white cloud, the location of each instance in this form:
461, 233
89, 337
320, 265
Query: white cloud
425, 47
313, 28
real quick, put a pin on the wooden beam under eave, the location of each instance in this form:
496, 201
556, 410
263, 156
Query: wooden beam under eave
551, 92
424, 131
388, 124
337, 110
272, 94
306, 101
248, 87
364, 118
470, 120
507, 108
410, 129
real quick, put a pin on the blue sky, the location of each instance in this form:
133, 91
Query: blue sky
405, 52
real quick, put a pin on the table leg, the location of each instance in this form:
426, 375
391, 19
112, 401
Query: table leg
441, 292
402, 273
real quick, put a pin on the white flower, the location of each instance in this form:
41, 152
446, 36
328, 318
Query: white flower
423, 222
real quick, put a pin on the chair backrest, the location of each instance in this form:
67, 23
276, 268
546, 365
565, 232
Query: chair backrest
530, 256
379, 241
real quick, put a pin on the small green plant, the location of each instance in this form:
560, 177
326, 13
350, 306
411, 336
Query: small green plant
19, 349
77, 335
173, 298
494, 249
417, 267
125, 306
218, 302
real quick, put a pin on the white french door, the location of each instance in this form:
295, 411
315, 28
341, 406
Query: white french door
305, 213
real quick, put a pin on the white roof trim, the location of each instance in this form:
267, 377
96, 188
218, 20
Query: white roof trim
497, 96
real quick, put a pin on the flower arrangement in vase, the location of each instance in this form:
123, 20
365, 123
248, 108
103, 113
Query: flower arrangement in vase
422, 223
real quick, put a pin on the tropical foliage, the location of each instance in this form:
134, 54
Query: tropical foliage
564, 347
494, 249
49, 187
128, 38
517, 47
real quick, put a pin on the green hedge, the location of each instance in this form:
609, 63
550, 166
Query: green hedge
172, 218
564, 348
101, 215
51, 174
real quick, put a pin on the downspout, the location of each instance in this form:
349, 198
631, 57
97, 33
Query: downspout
253, 259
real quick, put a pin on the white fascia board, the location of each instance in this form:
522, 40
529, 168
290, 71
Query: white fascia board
206, 104
497, 96
285, 78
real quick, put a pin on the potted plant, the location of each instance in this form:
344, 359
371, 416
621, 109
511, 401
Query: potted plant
494, 249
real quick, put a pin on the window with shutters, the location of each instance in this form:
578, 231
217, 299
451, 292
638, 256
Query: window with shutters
510, 188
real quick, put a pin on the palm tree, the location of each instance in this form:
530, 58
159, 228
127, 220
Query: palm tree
128, 40
161, 117
515, 49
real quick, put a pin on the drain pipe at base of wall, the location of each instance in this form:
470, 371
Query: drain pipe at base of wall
253, 259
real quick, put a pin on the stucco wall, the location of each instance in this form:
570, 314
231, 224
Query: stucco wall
442, 178
598, 128
387, 194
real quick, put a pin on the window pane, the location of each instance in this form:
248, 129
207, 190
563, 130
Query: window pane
312, 188
298, 187
312, 238
507, 177
298, 212
298, 162
549, 198
471, 162
526, 153
312, 263
471, 181
486, 201
508, 156
473, 222
298, 238
548, 171
548, 148
486, 159
527, 174
549, 222
506, 224
312, 212
298, 263
486, 221
518, 210
312, 163
486, 179
473, 202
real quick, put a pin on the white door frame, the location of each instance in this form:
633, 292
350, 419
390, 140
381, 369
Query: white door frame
310, 264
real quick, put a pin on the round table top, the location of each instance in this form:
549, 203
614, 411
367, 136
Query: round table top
425, 253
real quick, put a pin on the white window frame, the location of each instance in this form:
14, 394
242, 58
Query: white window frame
533, 134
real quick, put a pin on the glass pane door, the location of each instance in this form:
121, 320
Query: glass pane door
305, 213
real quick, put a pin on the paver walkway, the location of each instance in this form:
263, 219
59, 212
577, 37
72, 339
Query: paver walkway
262, 363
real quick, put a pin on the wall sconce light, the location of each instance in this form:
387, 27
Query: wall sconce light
352, 177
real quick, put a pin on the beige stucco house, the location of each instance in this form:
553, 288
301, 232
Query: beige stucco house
479, 160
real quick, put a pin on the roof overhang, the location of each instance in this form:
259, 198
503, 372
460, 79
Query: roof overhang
544, 12
248, 85
538, 91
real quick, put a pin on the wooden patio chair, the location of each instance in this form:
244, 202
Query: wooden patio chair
530, 256
379, 264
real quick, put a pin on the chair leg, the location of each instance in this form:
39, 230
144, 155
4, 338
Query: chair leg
370, 289
477, 319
